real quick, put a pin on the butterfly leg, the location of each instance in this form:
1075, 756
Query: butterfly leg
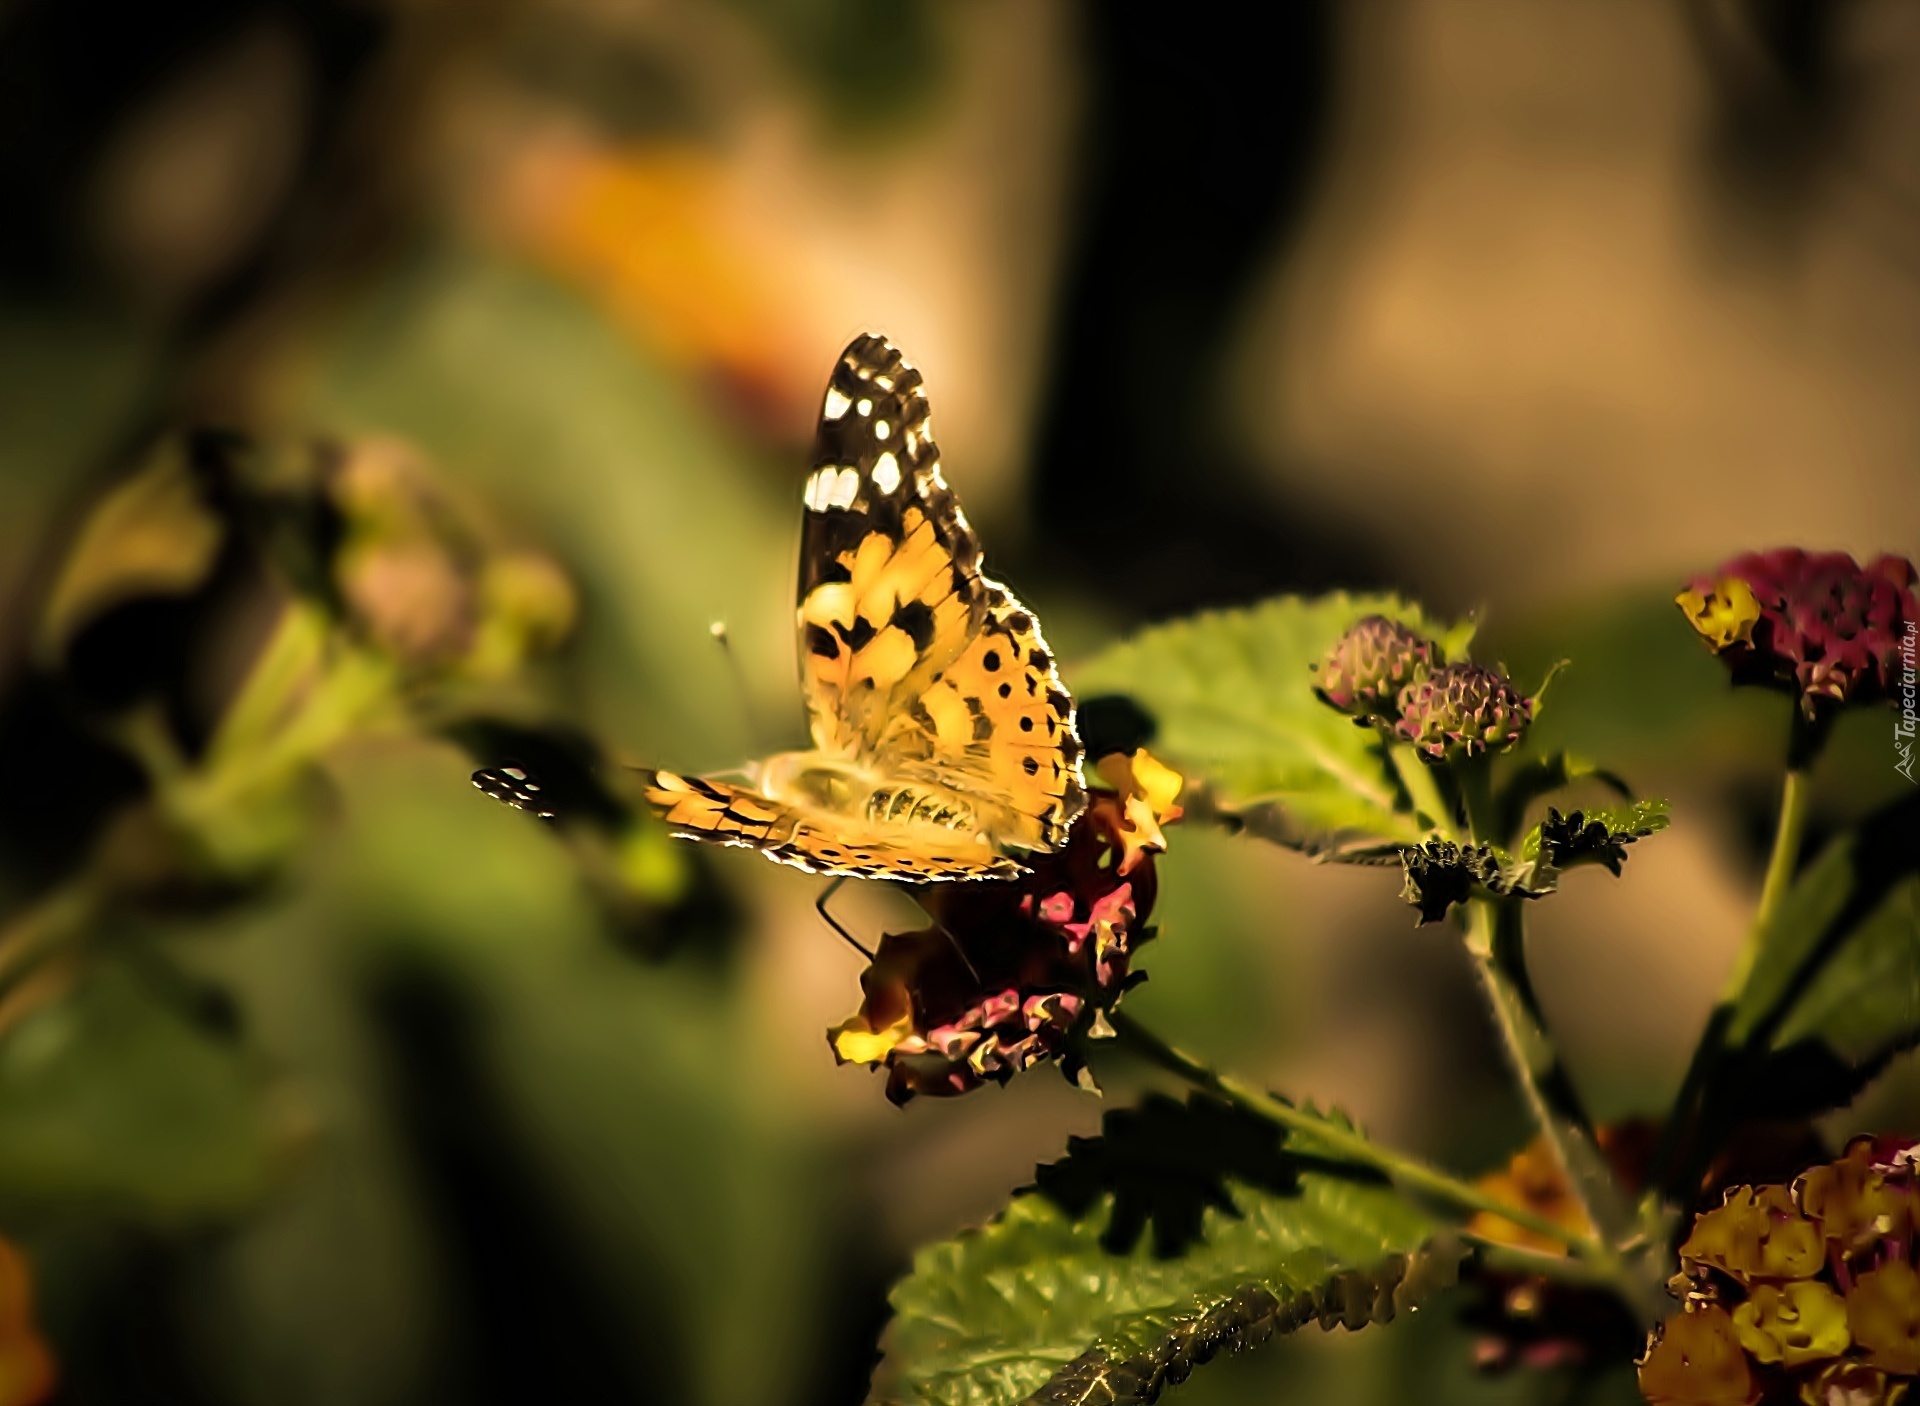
958, 950
820, 907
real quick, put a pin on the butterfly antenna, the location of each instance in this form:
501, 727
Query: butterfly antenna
820, 907
758, 734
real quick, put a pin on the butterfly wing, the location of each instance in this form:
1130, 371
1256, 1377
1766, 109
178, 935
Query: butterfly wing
704, 808
914, 662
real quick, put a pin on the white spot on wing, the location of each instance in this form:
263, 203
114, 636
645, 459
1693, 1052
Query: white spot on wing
881, 429
886, 472
837, 403
846, 487
884, 382
816, 495
865, 407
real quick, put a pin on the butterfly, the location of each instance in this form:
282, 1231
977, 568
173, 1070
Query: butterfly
944, 744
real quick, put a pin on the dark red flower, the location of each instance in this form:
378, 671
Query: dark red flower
1009, 973
1817, 623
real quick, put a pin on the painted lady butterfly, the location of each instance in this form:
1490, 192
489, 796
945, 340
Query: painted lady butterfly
944, 744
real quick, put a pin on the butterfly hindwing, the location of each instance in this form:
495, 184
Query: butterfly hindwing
703, 808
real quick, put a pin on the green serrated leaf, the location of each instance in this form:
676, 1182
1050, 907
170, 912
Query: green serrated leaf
1596, 836
1037, 1306
1440, 874
112, 1099
1232, 694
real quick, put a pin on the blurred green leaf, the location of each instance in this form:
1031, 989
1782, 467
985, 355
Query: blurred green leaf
1852, 908
1037, 1306
150, 535
524, 390
1868, 997
1232, 695
870, 63
114, 1100
1840, 961
1642, 692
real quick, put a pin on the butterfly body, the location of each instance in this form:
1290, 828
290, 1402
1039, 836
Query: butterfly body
944, 742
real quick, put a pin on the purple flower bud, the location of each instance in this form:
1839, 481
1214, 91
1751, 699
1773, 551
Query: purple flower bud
1364, 673
1463, 710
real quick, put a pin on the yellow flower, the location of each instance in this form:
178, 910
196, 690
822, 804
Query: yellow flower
1697, 1361
855, 1042
1799, 1322
1724, 614
1883, 1309
1147, 789
1757, 1233
1850, 1384
1535, 1180
1853, 1201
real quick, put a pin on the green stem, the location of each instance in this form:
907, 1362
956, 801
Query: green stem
1344, 1142
1781, 866
1672, 1155
1422, 790
1496, 940
1493, 939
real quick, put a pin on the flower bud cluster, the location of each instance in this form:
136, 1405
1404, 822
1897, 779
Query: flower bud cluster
422, 584
1383, 673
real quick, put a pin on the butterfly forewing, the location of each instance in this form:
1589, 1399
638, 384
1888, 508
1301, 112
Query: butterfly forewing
912, 659
889, 589
927, 684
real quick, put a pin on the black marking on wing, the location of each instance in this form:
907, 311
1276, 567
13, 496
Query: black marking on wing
850, 441
517, 787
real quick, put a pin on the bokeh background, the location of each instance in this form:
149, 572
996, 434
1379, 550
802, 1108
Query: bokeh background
1529, 310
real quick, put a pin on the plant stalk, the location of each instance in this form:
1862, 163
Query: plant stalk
1495, 940
1544, 1084
1673, 1150
1422, 789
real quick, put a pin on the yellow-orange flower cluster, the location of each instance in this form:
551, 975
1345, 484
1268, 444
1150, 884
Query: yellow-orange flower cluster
1806, 1293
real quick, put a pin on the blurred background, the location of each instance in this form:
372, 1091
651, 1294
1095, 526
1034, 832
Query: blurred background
1531, 311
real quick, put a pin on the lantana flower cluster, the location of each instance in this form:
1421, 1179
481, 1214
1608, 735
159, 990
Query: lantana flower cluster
1384, 673
1011, 973
1528, 1319
1805, 1293
1817, 624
